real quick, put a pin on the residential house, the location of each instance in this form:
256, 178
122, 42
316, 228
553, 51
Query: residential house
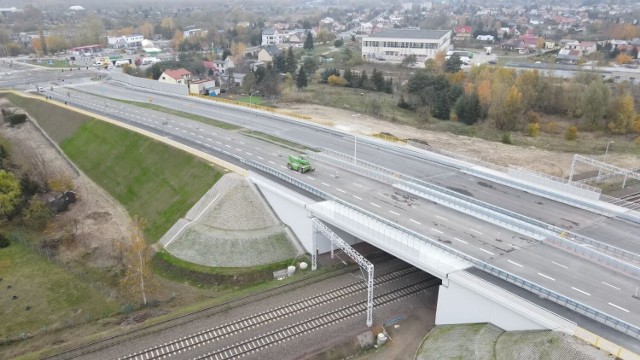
177, 76
210, 66
270, 37
485, 38
395, 44
223, 66
569, 56
201, 87
588, 47
194, 33
268, 54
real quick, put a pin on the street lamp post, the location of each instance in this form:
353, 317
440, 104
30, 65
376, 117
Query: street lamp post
606, 152
251, 95
355, 142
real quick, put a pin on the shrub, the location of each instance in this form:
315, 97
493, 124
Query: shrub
15, 119
533, 117
533, 130
551, 127
506, 139
4, 241
571, 133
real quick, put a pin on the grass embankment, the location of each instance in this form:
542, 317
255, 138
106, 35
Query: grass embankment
179, 270
55, 297
253, 100
150, 179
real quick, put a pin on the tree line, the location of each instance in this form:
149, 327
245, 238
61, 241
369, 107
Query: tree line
510, 100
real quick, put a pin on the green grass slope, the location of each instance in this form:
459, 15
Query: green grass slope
151, 179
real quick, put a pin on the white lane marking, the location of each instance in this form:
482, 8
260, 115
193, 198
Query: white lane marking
259, 157
209, 139
580, 291
257, 148
227, 146
356, 184
462, 241
436, 230
476, 231
513, 246
238, 149
191, 133
282, 166
325, 184
615, 287
250, 154
342, 191
515, 263
241, 143
271, 162
218, 142
310, 178
393, 212
357, 197
376, 205
440, 217
562, 266
214, 134
545, 276
487, 251
414, 221
616, 306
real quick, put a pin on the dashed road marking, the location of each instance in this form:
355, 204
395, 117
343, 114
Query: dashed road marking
376, 205
487, 251
342, 191
414, 221
462, 241
356, 184
325, 184
515, 263
546, 276
619, 307
259, 157
271, 162
357, 197
441, 218
476, 231
615, 287
562, 266
580, 291
436, 230
393, 212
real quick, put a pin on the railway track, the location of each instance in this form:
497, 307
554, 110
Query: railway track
263, 318
269, 339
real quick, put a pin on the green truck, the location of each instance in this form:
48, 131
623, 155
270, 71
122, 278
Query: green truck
299, 163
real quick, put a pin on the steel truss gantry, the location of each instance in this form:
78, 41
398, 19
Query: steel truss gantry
365, 265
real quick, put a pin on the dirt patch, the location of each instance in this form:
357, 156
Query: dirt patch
550, 162
98, 220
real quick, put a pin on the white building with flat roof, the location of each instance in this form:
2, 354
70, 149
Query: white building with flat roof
395, 44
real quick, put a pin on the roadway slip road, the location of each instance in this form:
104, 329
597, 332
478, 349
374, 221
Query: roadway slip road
521, 256
239, 325
584, 222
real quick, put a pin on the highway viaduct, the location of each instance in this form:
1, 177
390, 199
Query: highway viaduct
434, 235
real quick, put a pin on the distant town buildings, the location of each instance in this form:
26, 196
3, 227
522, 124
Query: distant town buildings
395, 44
121, 42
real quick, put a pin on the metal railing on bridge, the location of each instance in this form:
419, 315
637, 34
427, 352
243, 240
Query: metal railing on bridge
543, 292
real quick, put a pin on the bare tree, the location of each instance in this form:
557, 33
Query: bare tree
136, 256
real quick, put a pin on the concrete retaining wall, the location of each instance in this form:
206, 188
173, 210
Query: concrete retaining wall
149, 83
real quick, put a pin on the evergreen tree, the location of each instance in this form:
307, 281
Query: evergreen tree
308, 42
280, 63
291, 62
349, 77
301, 79
388, 86
467, 108
377, 80
364, 80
